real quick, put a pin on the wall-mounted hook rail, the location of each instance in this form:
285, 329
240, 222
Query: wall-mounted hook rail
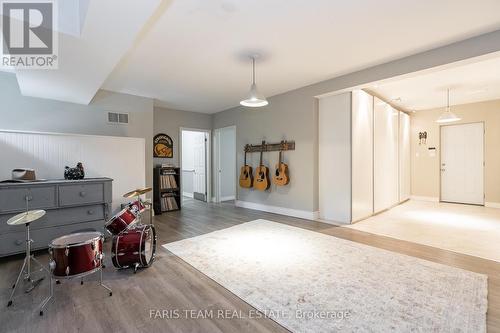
284, 145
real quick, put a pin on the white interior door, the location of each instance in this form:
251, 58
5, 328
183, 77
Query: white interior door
199, 151
385, 156
362, 155
404, 157
462, 163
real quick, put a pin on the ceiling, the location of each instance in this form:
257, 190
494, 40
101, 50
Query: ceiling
192, 54
468, 83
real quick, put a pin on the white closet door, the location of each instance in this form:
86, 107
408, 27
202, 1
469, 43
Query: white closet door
335, 158
362, 155
386, 160
404, 157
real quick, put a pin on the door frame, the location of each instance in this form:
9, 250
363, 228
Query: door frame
440, 160
217, 178
208, 160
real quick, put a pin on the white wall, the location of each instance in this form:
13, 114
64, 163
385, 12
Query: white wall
362, 155
335, 158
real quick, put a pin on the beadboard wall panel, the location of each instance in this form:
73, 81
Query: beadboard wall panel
120, 158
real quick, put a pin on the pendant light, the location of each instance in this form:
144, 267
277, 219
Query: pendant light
254, 99
447, 116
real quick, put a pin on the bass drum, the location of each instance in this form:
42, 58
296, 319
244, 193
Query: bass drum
76, 254
135, 247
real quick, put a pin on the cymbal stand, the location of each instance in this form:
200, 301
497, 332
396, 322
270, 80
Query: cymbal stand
26, 267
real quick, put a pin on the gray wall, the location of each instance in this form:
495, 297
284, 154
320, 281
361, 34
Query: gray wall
290, 116
170, 121
228, 162
22, 113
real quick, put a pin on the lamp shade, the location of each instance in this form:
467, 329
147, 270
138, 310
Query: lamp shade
254, 98
447, 117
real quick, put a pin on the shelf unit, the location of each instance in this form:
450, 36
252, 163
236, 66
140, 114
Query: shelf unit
166, 187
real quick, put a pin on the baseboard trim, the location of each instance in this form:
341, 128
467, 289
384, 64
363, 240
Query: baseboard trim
303, 214
231, 197
187, 194
492, 204
422, 198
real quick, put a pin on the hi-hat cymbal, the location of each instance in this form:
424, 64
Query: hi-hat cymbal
26, 217
137, 192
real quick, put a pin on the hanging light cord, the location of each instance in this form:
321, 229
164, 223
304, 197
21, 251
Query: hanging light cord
253, 71
448, 103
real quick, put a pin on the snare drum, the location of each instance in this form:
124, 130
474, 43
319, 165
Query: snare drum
136, 206
121, 221
76, 254
135, 246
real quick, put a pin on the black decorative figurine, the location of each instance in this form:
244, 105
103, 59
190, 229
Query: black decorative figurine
74, 173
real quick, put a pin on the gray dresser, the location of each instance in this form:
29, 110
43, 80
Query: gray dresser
71, 205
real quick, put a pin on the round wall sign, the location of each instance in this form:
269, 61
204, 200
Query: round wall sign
163, 146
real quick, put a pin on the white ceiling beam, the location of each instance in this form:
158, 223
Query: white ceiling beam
87, 58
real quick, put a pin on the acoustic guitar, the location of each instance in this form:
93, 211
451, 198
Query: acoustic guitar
262, 182
246, 174
281, 177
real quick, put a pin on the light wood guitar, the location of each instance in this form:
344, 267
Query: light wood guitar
261, 181
246, 174
281, 177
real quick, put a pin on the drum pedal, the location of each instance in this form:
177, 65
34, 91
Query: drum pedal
33, 285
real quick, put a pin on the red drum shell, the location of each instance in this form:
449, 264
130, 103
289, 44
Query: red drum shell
73, 259
130, 247
121, 221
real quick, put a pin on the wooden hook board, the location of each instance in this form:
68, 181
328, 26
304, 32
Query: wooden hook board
286, 145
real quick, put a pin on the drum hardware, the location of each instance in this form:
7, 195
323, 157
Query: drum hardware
27, 218
71, 257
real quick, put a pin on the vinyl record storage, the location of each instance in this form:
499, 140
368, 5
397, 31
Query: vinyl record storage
167, 184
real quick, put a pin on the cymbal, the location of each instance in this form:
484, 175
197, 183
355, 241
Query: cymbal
26, 217
137, 192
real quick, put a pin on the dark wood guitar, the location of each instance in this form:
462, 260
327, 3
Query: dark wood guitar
281, 177
262, 182
246, 173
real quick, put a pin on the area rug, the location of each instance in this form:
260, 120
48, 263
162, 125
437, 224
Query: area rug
312, 282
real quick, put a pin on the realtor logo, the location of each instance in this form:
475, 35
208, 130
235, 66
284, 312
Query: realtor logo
29, 36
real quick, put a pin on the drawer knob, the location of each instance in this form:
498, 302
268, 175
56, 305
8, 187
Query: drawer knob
82, 193
18, 242
90, 212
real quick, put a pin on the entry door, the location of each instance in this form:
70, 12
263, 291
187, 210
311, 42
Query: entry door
200, 181
462, 163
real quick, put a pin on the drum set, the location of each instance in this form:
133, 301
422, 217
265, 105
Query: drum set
134, 243
81, 254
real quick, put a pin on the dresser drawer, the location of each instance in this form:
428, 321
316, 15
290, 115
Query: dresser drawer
76, 194
14, 199
57, 217
15, 242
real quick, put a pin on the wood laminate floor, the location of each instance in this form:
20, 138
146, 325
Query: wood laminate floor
172, 284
